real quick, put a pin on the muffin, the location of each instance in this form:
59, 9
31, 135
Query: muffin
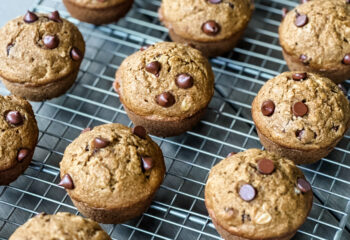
256, 194
98, 11
301, 116
40, 55
63, 226
112, 172
315, 38
212, 26
165, 88
18, 138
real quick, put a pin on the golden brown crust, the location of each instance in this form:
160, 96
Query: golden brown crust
186, 17
278, 209
323, 40
118, 181
326, 121
63, 225
28, 61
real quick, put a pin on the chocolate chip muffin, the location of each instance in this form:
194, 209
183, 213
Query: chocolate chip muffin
98, 11
301, 116
112, 172
40, 55
256, 194
165, 88
18, 138
63, 226
212, 26
315, 38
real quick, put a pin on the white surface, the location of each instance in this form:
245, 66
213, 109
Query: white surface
10, 9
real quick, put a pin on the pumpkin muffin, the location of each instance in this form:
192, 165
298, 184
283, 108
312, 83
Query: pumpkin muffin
165, 88
301, 116
112, 172
40, 55
256, 194
315, 38
18, 138
63, 226
98, 11
212, 26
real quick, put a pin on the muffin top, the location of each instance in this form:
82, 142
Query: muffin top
258, 195
206, 20
97, 3
110, 166
167, 80
63, 226
39, 48
19, 131
301, 110
317, 32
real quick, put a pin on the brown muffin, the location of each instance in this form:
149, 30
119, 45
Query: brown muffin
112, 172
212, 26
301, 116
165, 88
315, 38
18, 138
40, 55
62, 226
98, 11
256, 194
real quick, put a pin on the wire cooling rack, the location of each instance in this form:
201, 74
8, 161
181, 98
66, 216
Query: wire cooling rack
178, 210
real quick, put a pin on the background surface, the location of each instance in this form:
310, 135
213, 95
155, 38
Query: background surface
13, 8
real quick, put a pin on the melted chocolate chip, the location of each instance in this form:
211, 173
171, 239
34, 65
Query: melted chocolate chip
139, 131
166, 99
22, 154
147, 163
268, 108
86, 130
247, 192
14, 118
304, 59
55, 16
266, 166
300, 109
231, 154
301, 20
303, 185
51, 41
346, 59
299, 76
184, 81
153, 67
214, 1
211, 28
76, 54
284, 12
100, 143
143, 48
66, 182
30, 17
299, 134
335, 128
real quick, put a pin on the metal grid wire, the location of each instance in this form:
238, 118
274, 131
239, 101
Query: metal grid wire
178, 210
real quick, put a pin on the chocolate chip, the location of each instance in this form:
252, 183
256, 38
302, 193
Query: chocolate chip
347, 1
346, 59
304, 59
66, 182
231, 5
139, 131
147, 163
8, 48
55, 16
166, 99
266, 166
30, 17
303, 185
214, 1
284, 12
299, 134
231, 154
301, 20
300, 109
342, 88
86, 130
247, 192
22, 154
299, 76
51, 41
335, 128
268, 108
76, 54
14, 118
143, 48
100, 143
184, 81
153, 67
211, 28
